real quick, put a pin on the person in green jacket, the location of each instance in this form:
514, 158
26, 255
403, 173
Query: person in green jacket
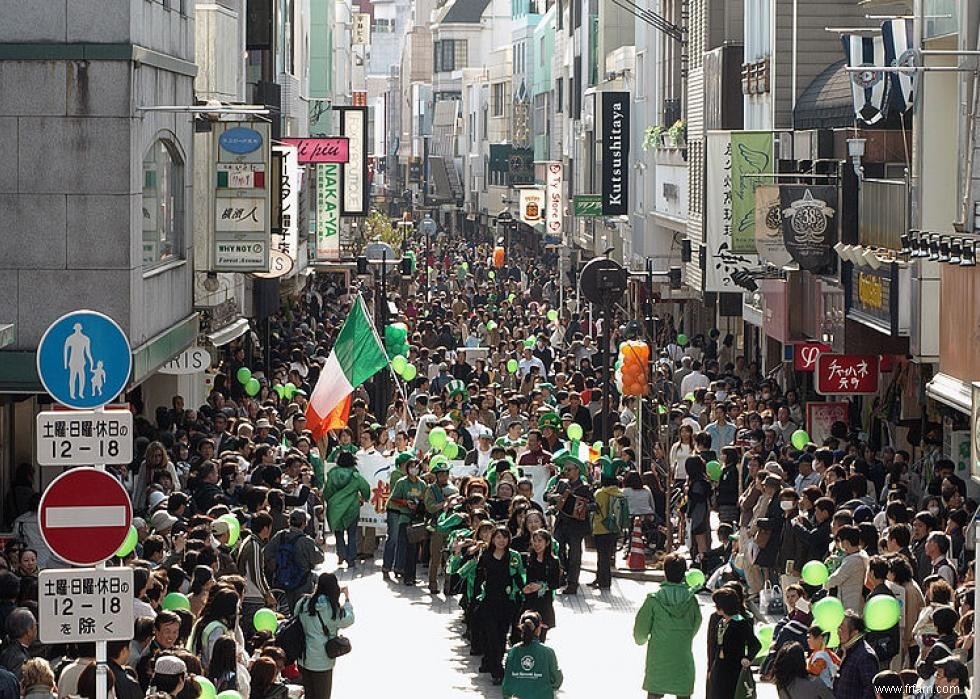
531, 671
388, 561
667, 623
345, 491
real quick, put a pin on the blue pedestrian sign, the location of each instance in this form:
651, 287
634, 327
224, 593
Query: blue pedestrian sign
84, 360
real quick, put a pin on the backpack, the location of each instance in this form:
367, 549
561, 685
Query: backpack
288, 574
618, 517
291, 637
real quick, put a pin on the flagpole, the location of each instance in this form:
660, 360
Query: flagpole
374, 329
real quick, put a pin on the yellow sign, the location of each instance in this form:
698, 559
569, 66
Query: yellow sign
869, 291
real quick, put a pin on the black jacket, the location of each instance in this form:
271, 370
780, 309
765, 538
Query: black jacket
815, 542
727, 492
885, 644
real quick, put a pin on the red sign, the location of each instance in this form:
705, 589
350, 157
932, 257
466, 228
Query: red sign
847, 374
85, 516
334, 149
805, 355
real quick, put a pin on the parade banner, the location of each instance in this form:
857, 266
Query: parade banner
539, 476
615, 153
722, 261
376, 469
769, 227
809, 215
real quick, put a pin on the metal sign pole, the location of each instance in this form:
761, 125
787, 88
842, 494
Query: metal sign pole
101, 647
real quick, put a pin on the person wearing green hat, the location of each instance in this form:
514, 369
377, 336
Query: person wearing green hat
391, 555
436, 500
573, 501
343, 494
608, 494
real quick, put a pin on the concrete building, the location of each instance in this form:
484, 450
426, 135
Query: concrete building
103, 186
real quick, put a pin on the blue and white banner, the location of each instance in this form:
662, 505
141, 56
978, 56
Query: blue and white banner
900, 51
869, 86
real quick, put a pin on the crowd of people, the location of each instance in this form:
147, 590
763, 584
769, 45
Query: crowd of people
237, 503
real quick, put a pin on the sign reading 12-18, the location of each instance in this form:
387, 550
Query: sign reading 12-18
84, 360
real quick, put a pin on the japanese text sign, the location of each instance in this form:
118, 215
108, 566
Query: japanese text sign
84, 437
84, 605
847, 374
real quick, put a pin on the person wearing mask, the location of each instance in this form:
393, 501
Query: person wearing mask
544, 677
406, 500
667, 623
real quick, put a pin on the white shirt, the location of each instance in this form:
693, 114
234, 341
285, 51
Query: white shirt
694, 381
526, 364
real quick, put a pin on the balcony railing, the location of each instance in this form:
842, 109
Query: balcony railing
884, 213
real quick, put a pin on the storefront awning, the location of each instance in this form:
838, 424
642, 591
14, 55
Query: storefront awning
950, 391
232, 331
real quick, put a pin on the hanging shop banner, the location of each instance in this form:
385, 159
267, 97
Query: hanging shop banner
805, 355
874, 297
332, 149
532, 206
355, 191
751, 155
769, 227
242, 223
810, 225
722, 262
615, 153
328, 211
587, 205
846, 374
361, 34
820, 418
554, 207
286, 238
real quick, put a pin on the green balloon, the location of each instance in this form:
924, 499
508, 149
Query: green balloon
491, 325
398, 364
265, 620
208, 690
229, 694
764, 634
280, 390
682, 340
828, 613
438, 438
176, 600
129, 543
252, 386
552, 315
597, 445
575, 432
289, 390
234, 528
438, 459
529, 342
714, 470
881, 612
694, 578
491, 274
410, 372
800, 439
512, 366
815, 573
690, 397
451, 450
243, 375
511, 297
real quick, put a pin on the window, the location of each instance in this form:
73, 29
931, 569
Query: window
541, 52
559, 95
449, 55
498, 98
163, 204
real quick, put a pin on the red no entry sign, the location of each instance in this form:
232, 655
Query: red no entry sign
85, 515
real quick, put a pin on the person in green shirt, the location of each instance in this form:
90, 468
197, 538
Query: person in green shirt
531, 670
406, 500
345, 440
437, 499
343, 494
389, 559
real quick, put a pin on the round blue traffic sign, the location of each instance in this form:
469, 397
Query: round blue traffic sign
84, 360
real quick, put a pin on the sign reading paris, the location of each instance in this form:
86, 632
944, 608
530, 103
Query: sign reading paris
84, 360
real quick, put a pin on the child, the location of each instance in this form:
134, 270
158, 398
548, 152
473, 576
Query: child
98, 378
823, 662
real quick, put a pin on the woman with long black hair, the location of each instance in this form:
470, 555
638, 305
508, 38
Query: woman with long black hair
499, 580
791, 678
698, 505
219, 617
322, 616
531, 653
542, 573
734, 645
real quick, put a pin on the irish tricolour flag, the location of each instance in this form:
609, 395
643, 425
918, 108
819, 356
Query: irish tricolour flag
357, 356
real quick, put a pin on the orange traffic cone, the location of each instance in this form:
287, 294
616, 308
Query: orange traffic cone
637, 559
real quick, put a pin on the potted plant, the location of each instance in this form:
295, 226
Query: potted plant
652, 137
677, 134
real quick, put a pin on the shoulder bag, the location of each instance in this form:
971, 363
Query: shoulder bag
337, 645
